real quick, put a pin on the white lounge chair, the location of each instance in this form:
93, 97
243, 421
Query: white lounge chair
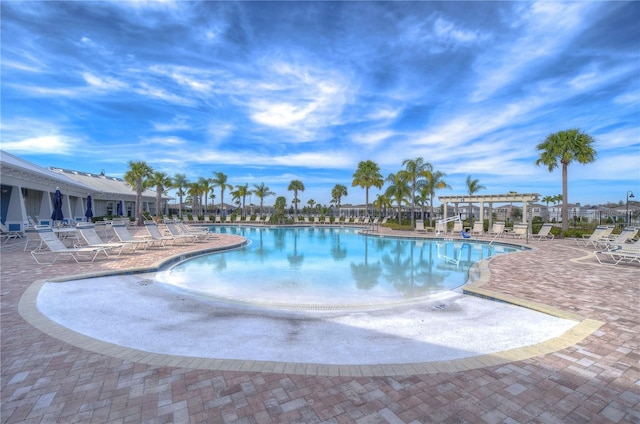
164, 240
478, 228
621, 254
544, 233
619, 240
519, 231
90, 235
497, 230
600, 233
202, 234
56, 248
179, 234
8, 234
420, 226
124, 236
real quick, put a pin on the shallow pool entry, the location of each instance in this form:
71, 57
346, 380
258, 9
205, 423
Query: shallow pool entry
315, 267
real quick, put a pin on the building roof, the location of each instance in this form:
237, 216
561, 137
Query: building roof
103, 184
33, 176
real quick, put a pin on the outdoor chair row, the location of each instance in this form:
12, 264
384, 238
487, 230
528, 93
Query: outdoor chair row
47, 246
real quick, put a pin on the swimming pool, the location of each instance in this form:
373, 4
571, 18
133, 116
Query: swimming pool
328, 267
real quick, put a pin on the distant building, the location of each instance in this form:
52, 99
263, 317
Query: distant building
27, 194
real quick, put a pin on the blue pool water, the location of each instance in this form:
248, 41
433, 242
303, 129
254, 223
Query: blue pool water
328, 266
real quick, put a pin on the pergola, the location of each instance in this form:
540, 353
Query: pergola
490, 199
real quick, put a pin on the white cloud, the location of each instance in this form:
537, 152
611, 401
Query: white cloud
546, 28
44, 144
178, 123
103, 83
373, 138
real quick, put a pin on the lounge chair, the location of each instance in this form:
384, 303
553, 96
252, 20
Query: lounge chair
599, 234
478, 229
238, 218
176, 232
227, 220
519, 231
89, 234
57, 248
32, 237
124, 236
8, 234
497, 230
457, 227
621, 254
154, 231
619, 240
544, 233
218, 219
202, 234
420, 226
306, 220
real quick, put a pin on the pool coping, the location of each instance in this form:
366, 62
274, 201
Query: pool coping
28, 310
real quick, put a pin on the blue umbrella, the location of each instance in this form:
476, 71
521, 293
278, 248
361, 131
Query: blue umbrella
89, 213
120, 208
57, 206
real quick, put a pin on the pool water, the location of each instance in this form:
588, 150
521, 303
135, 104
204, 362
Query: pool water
328, 266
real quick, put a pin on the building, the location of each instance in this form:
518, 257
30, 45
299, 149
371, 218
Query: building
27, 194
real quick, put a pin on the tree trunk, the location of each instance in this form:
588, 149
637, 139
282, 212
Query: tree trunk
565, 199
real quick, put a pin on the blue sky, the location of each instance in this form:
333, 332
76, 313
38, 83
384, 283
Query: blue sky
272, 92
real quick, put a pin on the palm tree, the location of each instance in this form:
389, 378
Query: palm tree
398, 189
206, 188
161, 182
337, 193
565, 147
221, 181
547, 200
180, 183
295, 186
262, 191
434, 180
413, 170
311, 202
473, 186
242, 191
137, 178
382, 202
366, 176
195, 191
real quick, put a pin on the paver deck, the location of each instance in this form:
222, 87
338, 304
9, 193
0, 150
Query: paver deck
596, 379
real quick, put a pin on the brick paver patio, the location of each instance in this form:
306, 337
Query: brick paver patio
45, 380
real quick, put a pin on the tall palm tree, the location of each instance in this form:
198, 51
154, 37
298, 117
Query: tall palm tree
180, 183
413, 169
137, 178
262, 191
241, 192
434, 180
547, 200
195, 191
473, 186
366, 176
205, 186
382, 202
337, 193
565, 147
295, 186
161, 182
399, 190
221, 181
311, 202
